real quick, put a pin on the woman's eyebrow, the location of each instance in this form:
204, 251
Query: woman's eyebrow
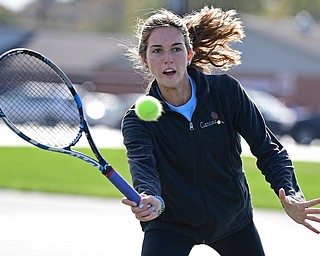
158, 45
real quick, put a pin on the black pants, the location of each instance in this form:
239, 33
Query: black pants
165, 242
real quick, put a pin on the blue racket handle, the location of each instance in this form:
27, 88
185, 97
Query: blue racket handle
123, 186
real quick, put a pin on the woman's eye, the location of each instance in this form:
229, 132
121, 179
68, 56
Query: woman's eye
156, 51
176, 49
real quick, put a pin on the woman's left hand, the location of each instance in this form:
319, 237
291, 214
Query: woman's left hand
300, 211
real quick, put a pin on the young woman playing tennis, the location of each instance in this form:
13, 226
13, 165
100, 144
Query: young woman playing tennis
187, 165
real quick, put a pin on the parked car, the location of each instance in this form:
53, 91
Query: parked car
105, 108
306, 129
278, 117
43, 108
108, 109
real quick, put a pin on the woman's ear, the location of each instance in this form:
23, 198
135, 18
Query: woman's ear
190, 56
144, 62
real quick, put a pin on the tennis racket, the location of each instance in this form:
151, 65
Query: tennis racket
39, 103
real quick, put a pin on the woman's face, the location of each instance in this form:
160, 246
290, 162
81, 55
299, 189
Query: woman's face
167, 57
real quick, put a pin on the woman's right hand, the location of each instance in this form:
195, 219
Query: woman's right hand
148, 208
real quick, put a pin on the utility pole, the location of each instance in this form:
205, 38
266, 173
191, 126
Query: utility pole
178, 6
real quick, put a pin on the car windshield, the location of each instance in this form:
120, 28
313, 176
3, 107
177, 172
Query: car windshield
271, 107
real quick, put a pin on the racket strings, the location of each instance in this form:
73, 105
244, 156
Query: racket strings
37, 101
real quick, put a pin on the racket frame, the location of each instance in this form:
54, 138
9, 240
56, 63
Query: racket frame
105, 168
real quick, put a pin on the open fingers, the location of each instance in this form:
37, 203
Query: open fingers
312, 228
282, 195
311, 203
312, 211
313, 218
311, 215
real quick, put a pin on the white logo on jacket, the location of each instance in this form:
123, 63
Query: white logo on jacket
215, 120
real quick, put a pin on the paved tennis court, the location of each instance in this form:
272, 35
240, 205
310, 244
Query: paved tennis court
33, 224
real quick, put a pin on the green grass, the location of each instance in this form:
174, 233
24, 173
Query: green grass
307, 173
38, 170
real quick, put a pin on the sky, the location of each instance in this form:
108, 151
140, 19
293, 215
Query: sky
15, 5
18, 5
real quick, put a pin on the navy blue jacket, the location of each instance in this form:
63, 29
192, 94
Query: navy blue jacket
196, 166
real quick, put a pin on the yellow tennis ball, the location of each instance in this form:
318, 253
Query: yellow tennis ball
148, 108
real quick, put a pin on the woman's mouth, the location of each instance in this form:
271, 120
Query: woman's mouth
169, 72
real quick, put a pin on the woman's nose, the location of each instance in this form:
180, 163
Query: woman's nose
168, 57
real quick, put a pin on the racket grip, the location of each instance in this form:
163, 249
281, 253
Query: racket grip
123, 186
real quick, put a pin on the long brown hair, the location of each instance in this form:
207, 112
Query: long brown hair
208, 32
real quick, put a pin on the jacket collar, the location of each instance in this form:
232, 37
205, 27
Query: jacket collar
199, 78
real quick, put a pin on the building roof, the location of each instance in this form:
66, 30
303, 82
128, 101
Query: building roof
270, 45
13, 37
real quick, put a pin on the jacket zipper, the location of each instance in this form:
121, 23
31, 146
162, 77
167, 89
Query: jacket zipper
197, 174
191, 127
